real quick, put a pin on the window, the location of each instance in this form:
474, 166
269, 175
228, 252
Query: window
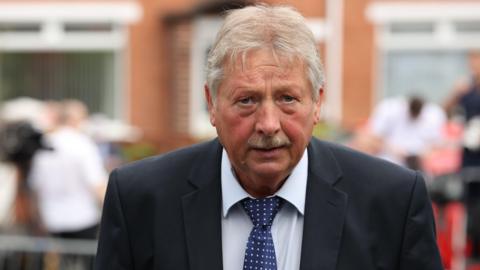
430, 74
422, 47
57, 50
87, 76
468, 27
412, 28
24, 27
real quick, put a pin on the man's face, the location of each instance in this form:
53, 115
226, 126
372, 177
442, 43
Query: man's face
264, 114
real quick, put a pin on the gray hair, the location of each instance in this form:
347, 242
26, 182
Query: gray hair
280, 28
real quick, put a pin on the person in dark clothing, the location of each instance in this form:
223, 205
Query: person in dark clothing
466, 98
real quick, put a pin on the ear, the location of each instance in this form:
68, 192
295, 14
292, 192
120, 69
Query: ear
210, 104
318, 106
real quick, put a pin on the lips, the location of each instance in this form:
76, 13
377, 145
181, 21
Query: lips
268, 149
268, 153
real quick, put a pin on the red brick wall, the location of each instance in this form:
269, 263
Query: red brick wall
150, 100
358, 64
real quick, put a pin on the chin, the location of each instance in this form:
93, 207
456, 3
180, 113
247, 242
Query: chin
271, 171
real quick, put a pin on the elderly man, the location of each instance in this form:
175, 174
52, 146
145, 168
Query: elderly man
265, 195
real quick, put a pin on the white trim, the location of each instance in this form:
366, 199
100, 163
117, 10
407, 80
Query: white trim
52, 18
442, 16
203, 33
115, 11
70, 42
381, 13
334, 62
125, 107
408, 43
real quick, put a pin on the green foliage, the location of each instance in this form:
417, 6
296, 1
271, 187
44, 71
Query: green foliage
330, 132
138, 151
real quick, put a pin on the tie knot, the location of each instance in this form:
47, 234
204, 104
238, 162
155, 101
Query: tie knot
262, 211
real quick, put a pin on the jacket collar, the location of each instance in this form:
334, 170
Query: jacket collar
202, 209
325, 210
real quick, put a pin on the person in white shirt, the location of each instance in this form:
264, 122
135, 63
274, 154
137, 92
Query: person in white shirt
407, 128
69, 181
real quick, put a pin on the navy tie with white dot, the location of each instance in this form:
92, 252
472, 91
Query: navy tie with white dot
260, 252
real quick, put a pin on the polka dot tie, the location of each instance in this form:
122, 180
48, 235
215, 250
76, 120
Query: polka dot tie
260, 252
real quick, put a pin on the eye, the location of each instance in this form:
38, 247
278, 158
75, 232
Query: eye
246, 101
287, 99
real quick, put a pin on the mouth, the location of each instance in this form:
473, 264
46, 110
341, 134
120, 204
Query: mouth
268, 152
268, 149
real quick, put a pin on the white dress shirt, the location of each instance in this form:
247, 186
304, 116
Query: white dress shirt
287, 227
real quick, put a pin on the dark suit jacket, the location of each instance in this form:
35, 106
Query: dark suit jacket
361, 213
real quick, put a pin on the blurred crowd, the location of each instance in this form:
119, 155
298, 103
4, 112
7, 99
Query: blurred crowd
434, 138
442, 141
54, 164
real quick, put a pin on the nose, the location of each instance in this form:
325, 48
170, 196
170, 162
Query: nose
268, 119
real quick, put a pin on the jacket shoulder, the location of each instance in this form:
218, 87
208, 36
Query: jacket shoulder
352, 161
167, 170
367, 175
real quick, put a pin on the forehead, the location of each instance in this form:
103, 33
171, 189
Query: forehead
259, 65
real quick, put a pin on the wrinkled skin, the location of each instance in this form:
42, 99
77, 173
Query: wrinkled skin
264, 113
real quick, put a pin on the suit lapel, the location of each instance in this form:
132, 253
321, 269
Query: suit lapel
202, 212
325, 209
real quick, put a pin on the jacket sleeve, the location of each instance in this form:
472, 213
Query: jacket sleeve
113, 251
419, 248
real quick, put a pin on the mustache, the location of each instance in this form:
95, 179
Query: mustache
263, 142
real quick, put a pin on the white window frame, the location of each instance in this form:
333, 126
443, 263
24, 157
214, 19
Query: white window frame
52, 18
442, 15
203, 35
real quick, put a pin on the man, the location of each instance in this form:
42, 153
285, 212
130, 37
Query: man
265, 195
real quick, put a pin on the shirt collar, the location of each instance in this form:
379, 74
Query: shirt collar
293, 190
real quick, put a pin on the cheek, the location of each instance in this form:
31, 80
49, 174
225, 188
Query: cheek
237, 129
299, 126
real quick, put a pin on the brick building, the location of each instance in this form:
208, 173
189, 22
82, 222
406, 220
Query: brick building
142, 61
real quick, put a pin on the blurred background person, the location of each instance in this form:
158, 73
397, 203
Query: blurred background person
69, 181
403, 130
20, 138
465, 99
20, 141
7, 194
